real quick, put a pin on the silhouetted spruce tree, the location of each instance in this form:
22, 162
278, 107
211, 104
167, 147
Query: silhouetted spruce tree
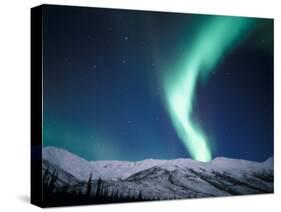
128, 194
116, 195
98, 191
45, 176
89, 187
65, 188
140, 196
102, 191
106, 191
54, 178
121, 197
109, 193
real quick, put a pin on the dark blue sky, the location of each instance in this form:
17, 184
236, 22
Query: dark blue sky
102, 98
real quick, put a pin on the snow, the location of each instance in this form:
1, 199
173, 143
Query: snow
165, 179
113, 169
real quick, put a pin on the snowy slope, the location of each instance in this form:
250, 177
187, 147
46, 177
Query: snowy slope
81, 168
73, 164
169, 179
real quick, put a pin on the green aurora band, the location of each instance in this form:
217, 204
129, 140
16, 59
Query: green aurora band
216, 36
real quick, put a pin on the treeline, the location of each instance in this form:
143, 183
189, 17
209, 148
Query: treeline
58, 193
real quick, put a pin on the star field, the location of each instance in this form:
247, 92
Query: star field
103, 94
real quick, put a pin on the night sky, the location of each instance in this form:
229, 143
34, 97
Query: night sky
103, 95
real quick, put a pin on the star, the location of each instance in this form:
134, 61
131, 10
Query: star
126, 38
94, 66
123, 61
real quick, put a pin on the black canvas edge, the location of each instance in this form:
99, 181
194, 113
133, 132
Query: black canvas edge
136, 10
36, 105
273, 105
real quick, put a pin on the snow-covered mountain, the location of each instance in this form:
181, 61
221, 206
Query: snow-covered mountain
113, 169
168, 179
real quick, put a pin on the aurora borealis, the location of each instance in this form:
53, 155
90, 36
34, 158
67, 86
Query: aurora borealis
133, 85
201, 58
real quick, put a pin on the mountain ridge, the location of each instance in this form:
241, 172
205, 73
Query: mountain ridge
82, 168
162, 179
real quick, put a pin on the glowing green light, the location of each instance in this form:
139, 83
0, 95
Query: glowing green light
215, 37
